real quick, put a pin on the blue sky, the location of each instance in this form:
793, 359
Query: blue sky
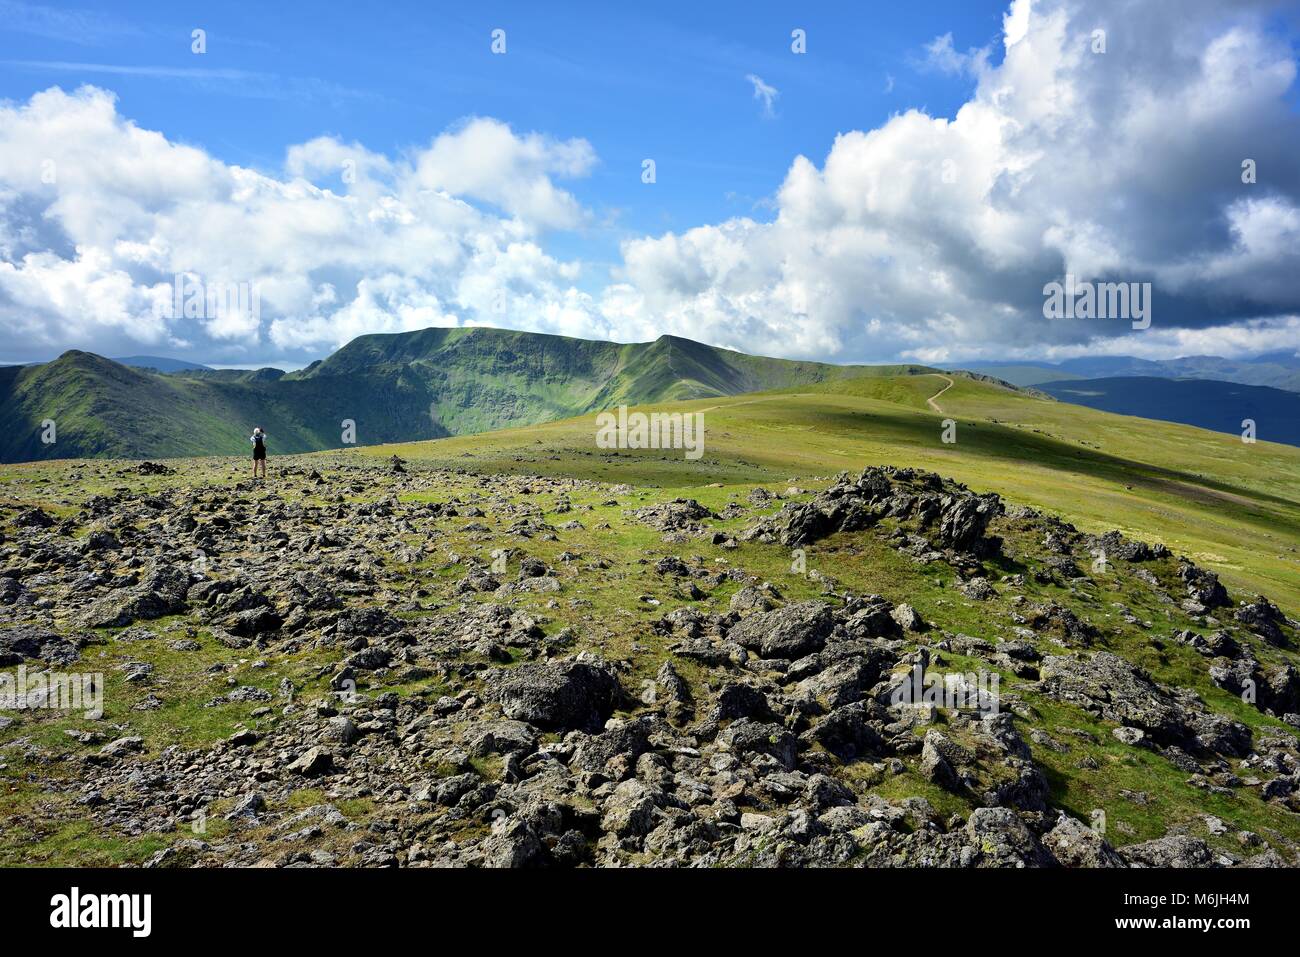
905, 190
665, 81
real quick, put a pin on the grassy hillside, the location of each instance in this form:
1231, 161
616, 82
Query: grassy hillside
101, 408
483, 379
1232, 507
408, 386
410, 550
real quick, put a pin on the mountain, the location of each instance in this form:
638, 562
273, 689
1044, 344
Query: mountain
480, 379
159, 363
1219, 406
102, 408
1279, 370
402, 387
434, 383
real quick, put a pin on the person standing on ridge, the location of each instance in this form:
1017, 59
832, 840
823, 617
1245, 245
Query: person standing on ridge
258, 438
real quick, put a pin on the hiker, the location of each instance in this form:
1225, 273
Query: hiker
258, 438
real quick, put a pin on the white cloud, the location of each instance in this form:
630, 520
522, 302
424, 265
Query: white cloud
1232, 341
927, 237
1015, 22
485, 160
930, 236
941, 56
97, 216
765, 93
86, 293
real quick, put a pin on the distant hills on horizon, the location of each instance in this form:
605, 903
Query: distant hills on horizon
401, 387
437, 382
161, 363
1209, 392
1278, 370
1205, 403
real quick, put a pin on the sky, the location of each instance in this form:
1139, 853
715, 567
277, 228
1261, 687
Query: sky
856, 182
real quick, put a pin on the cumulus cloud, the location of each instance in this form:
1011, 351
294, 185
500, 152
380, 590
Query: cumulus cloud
1015, 22
931, 237
486, 160
98, 217
927, 237
942, 56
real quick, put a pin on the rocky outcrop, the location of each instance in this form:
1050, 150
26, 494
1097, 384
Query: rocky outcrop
466, 681
1112, 689
952, 516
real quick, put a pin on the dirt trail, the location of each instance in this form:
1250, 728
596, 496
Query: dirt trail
930, 401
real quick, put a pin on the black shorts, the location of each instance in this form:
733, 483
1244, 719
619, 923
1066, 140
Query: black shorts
259, 454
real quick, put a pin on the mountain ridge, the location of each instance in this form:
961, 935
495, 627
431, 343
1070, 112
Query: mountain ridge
1278, 370
393, 387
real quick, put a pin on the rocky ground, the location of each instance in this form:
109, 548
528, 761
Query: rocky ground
388, 665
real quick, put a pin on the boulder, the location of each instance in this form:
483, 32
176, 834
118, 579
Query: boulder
1001, 839
790, 632
564, 696
1177, 850
312, 763
1075, 844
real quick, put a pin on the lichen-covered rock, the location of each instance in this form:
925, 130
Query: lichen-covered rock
1203, 586
1111, 688
1001, 839
790, 632
564, 695
1263, 618
1176, 850
1075, 844
955, 516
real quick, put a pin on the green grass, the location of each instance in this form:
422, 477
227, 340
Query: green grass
1233, 508
417, 385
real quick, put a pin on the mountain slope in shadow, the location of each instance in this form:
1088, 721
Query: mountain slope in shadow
1205, 403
